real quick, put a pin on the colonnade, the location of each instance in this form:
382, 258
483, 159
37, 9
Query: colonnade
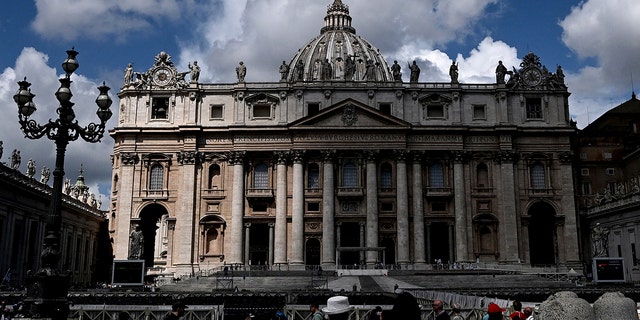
290, 250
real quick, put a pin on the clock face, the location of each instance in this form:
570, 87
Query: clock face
162, 77
531, 77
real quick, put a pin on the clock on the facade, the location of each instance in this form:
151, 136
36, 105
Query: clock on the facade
162, 76
531, 77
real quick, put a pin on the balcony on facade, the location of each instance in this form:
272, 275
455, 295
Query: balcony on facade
437, 192
213, 194
313, 192
350, 192
386, 192
259, 193
155, 194
482, 191
542, 192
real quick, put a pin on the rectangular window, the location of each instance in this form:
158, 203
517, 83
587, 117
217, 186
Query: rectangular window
386, 206
313, 207
435, 112
620, 251
217, 111
633, 254
160, 108
611, 186
349, 175
586, 188
537, 177
610, 171
436, 176
313, 108
534, 108
156, 178
438, 206
584, 171
583, 156
262, 111
479, 112
385, 108
260, 207
608, 155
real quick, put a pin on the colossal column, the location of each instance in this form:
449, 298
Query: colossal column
568, 206
328, 207
372, 206
185, 217
280, 247
125, 205
236, 159
418, 210
507, 198
297, 217
460, 206
402, 212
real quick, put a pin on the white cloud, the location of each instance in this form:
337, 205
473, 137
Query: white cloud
44, 78
263, 33
606, 30
71, 19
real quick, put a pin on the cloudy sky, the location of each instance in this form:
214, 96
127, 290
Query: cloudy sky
595, 41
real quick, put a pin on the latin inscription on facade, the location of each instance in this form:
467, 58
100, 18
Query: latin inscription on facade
349, 137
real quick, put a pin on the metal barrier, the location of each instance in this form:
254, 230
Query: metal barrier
216, 312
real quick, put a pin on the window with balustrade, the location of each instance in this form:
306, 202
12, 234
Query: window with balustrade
156, 177
537, 172
349, 175
261, 176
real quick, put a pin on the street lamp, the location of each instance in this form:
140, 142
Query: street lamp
48, 287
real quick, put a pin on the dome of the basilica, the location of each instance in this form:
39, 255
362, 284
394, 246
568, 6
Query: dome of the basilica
338, 54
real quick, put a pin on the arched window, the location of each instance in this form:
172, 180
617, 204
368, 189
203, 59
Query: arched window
313, 176
482, 175
156, 177
214, 177
385, 176
349, 175
436, 175
537, 176
261, 176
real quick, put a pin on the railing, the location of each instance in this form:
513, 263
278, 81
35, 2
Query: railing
350, 192
156, 194
541, 192
387, 190
217, 312
313, 191
437, 192
259, 193
213, 193
483, 190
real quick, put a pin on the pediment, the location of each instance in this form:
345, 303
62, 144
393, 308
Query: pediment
262, 98
350, 114
435, 99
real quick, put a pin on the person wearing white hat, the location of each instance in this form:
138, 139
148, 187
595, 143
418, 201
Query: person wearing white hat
338, 308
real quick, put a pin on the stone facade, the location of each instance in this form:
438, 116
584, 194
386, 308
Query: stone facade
608, 179
293, 171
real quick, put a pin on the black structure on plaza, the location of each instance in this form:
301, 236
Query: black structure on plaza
47, 288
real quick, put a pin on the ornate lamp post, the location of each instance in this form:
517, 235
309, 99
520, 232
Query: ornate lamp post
48, 287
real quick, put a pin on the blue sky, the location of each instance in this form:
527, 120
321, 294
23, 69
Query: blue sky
595, 41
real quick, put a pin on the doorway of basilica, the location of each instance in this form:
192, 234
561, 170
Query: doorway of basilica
150, 219
542, 234
258, 244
